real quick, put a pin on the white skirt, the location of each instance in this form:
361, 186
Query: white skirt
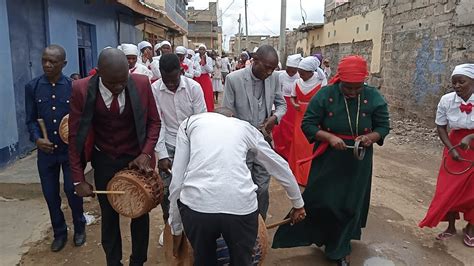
217, 85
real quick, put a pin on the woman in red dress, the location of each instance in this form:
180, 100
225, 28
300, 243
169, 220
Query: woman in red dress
283, 132
312, 78
455, 187
204, 79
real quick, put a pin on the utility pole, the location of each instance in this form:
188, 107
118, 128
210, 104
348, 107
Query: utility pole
283, 33
239, 35
246, 27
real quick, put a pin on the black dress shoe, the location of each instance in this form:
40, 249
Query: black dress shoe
343, 262
58, 244
79, 239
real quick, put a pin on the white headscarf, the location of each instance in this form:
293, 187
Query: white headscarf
191, 52
180, 50
165, 43
202, 45
464, 69
293, 60
129, 49
144, 44
255, 49
310, 63
119, 47
157, 46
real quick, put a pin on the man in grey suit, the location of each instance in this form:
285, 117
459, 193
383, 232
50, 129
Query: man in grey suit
250, 93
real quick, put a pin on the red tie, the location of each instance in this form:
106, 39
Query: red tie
114, 106
466, 108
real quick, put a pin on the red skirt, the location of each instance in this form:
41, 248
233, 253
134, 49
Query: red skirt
283, 132
206, 84
454, 193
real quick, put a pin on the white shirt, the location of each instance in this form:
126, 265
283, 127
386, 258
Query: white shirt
107, 96
450, 114
174, 108
189, 73
155, 67
287, 83
210, 174
225, 65
142, 70
307, 86
206, 68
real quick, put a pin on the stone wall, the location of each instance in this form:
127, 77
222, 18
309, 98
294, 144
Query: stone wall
422, 42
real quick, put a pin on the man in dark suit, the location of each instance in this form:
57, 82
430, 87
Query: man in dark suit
114, 122
47, 97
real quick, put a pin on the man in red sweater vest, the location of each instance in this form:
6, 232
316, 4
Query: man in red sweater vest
114, 123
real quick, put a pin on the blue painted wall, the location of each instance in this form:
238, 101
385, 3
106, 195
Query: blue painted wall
8, 132
62, 26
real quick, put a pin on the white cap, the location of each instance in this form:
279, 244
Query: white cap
293, 60
157, 46
180, 50
129, 49
165, 43
119, 47
202, 46
464, 69
191, 52
144, 44
255, 49
310, 63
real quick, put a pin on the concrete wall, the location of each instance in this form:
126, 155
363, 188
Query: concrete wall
9, 132
62, 26
412, 47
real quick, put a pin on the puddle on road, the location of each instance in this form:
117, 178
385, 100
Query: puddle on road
378, 261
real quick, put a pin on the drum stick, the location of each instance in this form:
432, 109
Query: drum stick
43, 128
108, 192
287, 220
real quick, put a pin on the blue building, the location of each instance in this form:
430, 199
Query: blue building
82, 27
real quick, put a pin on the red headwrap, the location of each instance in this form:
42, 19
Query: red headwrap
352, 68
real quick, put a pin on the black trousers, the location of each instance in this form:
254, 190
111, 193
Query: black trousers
105, 168
203, 229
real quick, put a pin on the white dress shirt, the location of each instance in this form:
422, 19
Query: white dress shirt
287, 83
449, 112
189, 73
210, 174
174, 108
225, 65
107, 96
142, 70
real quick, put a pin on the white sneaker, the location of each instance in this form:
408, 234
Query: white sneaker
90, 219
160, 241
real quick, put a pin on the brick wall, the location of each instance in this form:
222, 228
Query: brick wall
422, 42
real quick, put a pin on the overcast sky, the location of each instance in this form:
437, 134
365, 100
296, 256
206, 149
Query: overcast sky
264, 15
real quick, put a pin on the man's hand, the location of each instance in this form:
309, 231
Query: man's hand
337, 143
297, 215
270, 123
364, 140
165, 165
177, 243
45, 145
142, 163
84, 189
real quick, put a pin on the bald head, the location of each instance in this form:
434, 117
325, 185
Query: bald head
265, 61
113, 69
267, 52
56, 50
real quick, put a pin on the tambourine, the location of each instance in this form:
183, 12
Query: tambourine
358, 150
471, 163
64, 129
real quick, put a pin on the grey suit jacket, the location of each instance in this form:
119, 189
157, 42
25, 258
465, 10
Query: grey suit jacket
238, 94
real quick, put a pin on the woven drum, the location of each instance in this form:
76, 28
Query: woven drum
142, 193
223, 258
64, 129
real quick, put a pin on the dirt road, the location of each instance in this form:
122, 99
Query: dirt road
403, 183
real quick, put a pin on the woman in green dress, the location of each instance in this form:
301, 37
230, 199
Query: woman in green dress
337, 196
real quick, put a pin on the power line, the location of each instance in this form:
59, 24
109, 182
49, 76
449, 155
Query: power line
263, 23
304, 16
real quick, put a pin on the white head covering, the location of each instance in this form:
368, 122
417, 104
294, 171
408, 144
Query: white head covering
144, 44
255, 49
464, 69
202, 45
310, 63
157, 46
129, 49
119, 47
191, 52
165, 43
293, 60
180, 50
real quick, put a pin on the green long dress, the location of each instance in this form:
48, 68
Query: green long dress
337, 195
